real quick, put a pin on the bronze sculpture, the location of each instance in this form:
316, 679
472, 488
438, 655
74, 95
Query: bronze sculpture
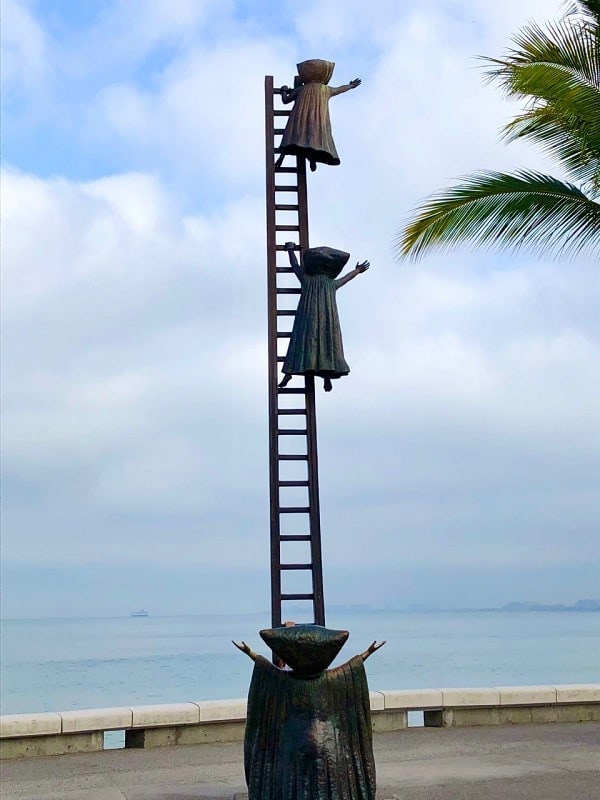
308, 731
315, 346
308, 130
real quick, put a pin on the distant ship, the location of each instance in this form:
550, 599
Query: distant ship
140, 613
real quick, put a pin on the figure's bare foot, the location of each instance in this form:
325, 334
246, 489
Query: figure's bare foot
285, 381
313, 166
327, 384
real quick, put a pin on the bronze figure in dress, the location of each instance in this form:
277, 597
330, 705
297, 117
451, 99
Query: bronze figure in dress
308, 130
315, 346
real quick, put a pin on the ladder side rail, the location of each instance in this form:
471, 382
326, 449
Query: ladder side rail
272, 356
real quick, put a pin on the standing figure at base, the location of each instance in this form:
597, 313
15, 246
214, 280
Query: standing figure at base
308, 130
308, 728
315, 346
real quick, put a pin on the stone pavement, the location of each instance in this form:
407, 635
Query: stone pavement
504, 762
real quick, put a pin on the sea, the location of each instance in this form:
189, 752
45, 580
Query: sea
65, 664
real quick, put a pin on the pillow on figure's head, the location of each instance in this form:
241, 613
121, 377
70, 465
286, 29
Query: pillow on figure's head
307, 649
315, 70
324, 261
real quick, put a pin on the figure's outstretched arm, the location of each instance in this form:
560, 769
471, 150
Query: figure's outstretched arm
371, 649
246, 649
358, 270
345, 88
295, 264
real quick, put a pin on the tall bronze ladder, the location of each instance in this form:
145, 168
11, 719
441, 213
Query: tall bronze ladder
293, 467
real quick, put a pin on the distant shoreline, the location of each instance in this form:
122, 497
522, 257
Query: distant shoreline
580, 607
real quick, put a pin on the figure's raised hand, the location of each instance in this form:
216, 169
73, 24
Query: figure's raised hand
245, 649
371, 649
363, 267
290, 246
356, 82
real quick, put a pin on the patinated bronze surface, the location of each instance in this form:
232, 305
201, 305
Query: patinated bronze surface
316, 346
308, 130
308, 733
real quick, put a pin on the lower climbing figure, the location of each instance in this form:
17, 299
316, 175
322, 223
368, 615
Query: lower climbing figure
315, 346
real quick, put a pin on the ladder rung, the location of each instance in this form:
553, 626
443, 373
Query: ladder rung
295, 537
294, 510
289, 291
291, 391
283, 269
290, 411
291, 432
284, 335
286, 187
286, 207
292, 483
296, 566
287, 227
288, 170
288, 457
286, 313
281, 113
297, 596
280, 359
278, 131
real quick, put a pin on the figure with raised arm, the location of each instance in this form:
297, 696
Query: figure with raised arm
308, 728
308, 129
315, 346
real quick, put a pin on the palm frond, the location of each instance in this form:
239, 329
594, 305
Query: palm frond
556, 70
503, 211
564, 44
588, 10
566, 88
571, 140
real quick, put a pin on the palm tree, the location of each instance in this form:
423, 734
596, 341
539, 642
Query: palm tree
556, 71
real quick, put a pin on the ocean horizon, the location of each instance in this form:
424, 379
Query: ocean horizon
61, 664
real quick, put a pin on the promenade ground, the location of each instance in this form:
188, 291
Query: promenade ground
505, 762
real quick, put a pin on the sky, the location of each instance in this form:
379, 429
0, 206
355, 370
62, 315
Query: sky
459, 460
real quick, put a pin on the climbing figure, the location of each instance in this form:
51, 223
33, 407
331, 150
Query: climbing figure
308, 129
315, 346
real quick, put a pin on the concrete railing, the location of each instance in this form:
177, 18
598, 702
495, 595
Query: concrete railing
213, 721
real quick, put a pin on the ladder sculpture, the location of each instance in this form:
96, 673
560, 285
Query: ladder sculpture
308, 729
292, 421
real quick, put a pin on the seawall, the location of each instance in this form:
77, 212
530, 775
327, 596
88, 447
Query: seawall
220, 721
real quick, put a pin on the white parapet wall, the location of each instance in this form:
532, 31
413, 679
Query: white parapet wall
207, 721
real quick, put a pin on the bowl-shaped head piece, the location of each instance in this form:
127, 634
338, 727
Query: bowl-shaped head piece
307, 649
315, 70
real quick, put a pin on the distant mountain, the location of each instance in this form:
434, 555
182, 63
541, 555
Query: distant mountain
529, 605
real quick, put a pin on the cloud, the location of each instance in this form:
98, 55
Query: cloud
134, 319
24, 48
135, 368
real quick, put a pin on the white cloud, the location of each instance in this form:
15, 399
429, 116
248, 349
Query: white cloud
24, 48
135, 309
139, 376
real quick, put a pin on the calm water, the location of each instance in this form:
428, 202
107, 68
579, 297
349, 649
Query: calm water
63, 664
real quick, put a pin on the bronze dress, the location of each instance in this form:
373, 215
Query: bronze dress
309, 738
308, 130
316, 346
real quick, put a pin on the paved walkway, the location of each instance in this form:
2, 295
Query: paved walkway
513, 762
